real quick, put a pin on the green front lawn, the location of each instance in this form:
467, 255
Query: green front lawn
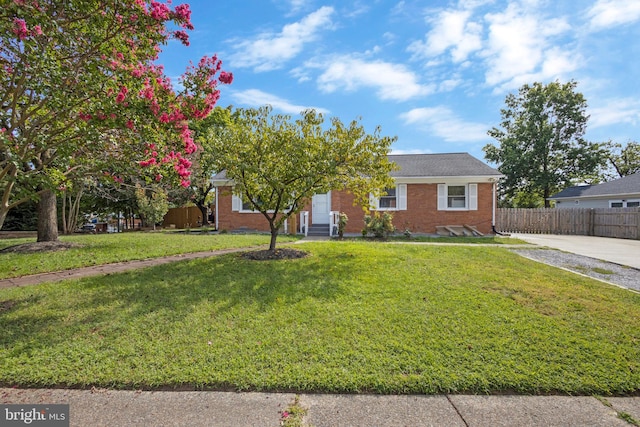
97, 249
351, 317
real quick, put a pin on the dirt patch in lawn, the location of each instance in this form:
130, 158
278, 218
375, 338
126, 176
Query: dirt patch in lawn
267, 255
28, 248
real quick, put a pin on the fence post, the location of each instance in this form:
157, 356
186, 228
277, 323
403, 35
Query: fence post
592, 220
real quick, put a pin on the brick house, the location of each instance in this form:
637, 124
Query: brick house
432, 191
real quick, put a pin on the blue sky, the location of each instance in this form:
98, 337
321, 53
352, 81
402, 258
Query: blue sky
433, 73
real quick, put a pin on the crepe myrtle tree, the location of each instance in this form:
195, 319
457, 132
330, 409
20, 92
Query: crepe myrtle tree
277, 164
81, 92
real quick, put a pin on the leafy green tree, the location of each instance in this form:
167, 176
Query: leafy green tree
541, 148
204, 159
152, 204
80, 91
278, 164
624, 159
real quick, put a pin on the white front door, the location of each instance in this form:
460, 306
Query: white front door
320, 208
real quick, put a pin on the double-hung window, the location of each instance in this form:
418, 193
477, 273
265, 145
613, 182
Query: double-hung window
389, 200
395, 199
456, 197
460, 197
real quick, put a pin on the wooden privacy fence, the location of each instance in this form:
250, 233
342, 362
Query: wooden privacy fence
604, 222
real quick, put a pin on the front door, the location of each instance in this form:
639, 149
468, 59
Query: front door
320, 208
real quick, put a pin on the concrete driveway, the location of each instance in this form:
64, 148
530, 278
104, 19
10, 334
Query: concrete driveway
619, 251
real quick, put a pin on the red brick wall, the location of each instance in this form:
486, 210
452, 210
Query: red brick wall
422, 214
229, 220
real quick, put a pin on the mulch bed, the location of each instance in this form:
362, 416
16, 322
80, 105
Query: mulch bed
28, 248
267, 255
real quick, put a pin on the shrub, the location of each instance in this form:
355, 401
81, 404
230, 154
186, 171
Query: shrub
381, 226
342, 224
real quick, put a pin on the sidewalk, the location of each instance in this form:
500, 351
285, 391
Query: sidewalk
228, 409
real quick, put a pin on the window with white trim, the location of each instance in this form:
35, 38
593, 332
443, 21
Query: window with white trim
457, 197
624, 203
239, 204
395, 199
389, 200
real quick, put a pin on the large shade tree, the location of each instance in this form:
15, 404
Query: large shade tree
625, 159
277, 164
81, 92
541, 148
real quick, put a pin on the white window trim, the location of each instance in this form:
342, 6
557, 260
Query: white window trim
237, 205
470, 194
624, 202
401, 200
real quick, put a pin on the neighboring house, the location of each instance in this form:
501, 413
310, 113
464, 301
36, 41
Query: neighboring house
431, 190
619, 193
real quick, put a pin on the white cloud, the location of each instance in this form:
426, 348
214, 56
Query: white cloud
444, 123
389, 81
452, 31
520, 48
269, 50
256, 98
615, 112
611, 13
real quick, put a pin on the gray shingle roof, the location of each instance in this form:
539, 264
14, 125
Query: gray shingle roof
626, 185
440, 165
431, 166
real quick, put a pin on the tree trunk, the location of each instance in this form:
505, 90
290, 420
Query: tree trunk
274, 236
47, 217
3, 215
204, 212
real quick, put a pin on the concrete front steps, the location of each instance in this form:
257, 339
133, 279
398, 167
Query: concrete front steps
318, 230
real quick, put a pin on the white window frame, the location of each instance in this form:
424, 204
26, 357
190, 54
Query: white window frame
470, 197
401, 200
237, 205
623, 203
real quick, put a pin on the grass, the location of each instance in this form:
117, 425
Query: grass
351, 317
101, 249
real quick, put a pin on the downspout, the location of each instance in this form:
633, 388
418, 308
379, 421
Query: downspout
493, 210
217, 228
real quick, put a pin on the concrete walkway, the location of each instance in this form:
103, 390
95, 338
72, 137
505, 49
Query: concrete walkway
209, 408
619, 251
203, 408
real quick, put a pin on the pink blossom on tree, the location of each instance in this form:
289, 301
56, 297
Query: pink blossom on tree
103, 93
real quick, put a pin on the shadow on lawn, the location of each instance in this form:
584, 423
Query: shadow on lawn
172, 291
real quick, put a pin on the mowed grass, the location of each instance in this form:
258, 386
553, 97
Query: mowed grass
351, 317
97, 249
